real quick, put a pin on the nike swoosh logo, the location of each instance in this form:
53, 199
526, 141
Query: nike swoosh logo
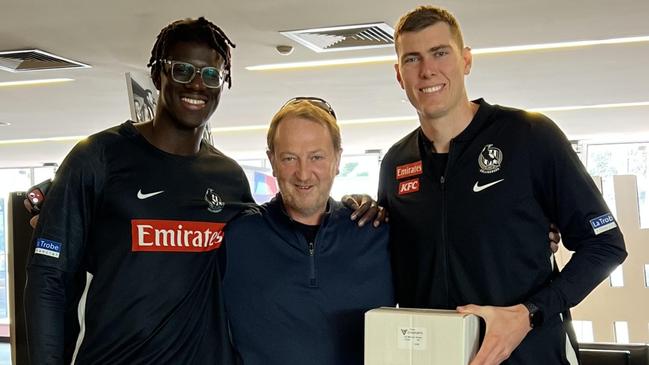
477, 188
145, 196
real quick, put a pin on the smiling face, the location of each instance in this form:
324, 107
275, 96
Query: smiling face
305, 163
188, 106
431, 69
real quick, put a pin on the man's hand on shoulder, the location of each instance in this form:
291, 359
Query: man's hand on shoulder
34, 220
555, 237
366, 208
506, 329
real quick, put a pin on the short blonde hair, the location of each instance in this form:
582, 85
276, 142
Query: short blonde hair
307, 110
424, 16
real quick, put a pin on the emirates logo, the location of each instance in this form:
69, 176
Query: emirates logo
156, 235
408, 170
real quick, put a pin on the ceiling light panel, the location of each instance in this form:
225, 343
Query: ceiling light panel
475, 51
34, 82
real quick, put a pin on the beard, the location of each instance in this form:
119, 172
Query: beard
305, 205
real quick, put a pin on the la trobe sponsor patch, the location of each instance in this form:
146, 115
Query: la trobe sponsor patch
603, 223
48, 248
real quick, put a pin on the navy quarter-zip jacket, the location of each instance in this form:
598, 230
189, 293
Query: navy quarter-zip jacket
290, 301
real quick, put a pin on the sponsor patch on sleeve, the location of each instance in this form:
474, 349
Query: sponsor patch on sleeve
603, 223
48, 248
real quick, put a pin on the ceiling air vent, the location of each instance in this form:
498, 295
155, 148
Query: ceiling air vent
344, 38
35, 60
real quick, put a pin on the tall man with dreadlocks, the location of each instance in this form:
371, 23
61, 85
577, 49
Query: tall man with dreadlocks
139, 209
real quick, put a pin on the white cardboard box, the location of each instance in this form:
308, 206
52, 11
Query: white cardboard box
404, 336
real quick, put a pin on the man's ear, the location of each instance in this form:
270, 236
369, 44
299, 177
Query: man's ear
468, 59
399, 79
271, 158
338, 157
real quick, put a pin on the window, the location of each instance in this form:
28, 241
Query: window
3, 265
42, 173
583, 331
621, 331
254, 162
14, 179
617, 277
10, 180
606, 160
359, 174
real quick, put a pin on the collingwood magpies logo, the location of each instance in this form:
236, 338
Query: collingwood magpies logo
490, 159
214, 203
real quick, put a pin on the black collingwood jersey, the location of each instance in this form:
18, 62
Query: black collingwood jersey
478, 232
147, 226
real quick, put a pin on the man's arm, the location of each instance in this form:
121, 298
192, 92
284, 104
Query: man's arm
55, 274
48, 306
570, 198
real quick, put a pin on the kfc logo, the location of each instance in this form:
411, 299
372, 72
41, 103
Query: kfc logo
409, 186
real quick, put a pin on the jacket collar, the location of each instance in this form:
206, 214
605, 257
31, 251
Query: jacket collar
276, 207
481, 118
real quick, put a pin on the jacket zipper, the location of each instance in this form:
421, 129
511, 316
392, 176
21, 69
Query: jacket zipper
312, 278
445, 242
442, 182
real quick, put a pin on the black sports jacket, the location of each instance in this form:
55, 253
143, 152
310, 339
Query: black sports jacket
478, 234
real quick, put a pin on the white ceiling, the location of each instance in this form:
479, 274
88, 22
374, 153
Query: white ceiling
116, 37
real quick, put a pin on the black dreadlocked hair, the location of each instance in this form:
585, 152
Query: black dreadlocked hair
189, 30
199, 30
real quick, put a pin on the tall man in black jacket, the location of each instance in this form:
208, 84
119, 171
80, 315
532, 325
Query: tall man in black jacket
471, 193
